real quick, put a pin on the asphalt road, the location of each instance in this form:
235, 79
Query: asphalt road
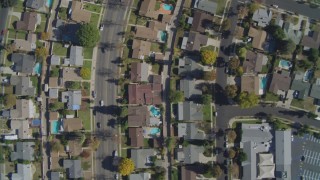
106, 89
296, 7
4, 17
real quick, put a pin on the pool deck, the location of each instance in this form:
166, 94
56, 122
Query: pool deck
163, 11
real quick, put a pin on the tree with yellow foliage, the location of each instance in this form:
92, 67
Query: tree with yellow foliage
85, 73
41, 53
208, 57
126, 167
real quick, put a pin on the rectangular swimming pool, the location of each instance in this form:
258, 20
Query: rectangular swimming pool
55, 126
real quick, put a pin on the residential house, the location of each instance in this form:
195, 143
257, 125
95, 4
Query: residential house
28, 21
140, 49
24, 109
146, 33
190, 131
189, 111
187, 173
54, 60
255, 140
22, 86
315, 91
250, 84
140, 176
74, 169
291, 33
145, 93
194, 41
188, 67
54, 82
53, 115
280, 83
22, 128
141, 157
138, 116
78, 14
26, 45
24, 171
53, 93
72, 124
147, 9
56, 175
201, 21
206, 6
74, 148
300, 87
191, 154
139, 72
262, 17
190, 89
72, 98
156, 25
75, 56
24, 151
254, 62
258, 38
23, 63
311, 41
283, 154
136, 137
34, 4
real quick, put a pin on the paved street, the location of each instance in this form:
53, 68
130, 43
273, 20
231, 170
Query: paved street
294, 6
106, 72
4, 17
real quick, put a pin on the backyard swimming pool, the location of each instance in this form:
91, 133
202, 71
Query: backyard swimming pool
154, 131
55, 127
167, 7
37, 68
262, 84
285, 64
155, 112
163, 36
49, 3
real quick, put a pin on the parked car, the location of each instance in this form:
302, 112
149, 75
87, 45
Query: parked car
275, 6
98, 125
292, 138
101, 103
115, 153
94, 94
226, 70
101, 27
116, 176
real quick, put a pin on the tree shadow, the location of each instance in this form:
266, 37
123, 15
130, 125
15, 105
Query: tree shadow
109, 110
299, 114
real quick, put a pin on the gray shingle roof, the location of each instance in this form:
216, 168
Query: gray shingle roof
188, 66
23, 63
189, 111
24, 172
73, 99
283, 153
55, 175
302, 87
262, 17
23, 86
315, 91
294, 35
24, 151
206, 5
189, 88
140, 176
191, 154
141, 157
76, 58
35, 4
190, 131
73, 167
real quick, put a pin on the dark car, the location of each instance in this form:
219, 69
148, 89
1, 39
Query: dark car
98, 125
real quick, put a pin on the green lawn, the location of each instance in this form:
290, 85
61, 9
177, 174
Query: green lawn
8, 89
133, 18
156, 47
17, 34
59, 50
155, 68
124, 153
19, 7
41, 27
87, 53
92, 7
87, 64
43, 17
85, 88
35, 82
94, 19
173, 84
208, 48
54, 71
135, 3
174, 174
13, 20
271, 97
207, 112
297, 103
63, 13
220, 7
157, 6
84, 115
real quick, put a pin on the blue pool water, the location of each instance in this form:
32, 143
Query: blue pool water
285, 64
49, 3
37, 68
163, 36
154, 131
167, 7
55, 126
154, 111
263, 83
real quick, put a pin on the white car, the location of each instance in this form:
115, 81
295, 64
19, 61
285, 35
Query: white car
115, 153
101, 103
101, 27
291, 137
116, 176
275, 6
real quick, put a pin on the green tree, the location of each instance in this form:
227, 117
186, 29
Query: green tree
234, 63
253, 7
73, 85
242, 156
10, 100
231, 153
276, 31
239, 71
226, 24
209, 75
85, 73
242, 52
247, 100
231, 90
88, 35
176, 96
287, 46
208, 57
126, 167
123, 111
56, 146
216, 171
313, 55
206, 99
41, 53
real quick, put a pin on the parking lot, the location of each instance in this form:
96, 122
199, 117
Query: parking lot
306, 157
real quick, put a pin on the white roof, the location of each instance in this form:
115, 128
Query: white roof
266, 159
266, 172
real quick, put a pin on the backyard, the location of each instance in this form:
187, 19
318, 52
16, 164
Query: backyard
18, 7
59, 50
87, 53
63, 13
